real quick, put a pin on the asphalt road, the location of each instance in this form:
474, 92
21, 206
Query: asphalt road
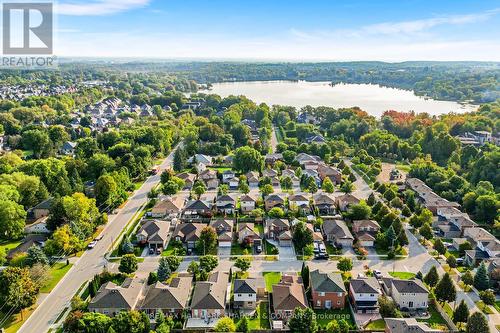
91, 262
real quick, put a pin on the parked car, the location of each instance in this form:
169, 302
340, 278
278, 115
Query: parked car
92, 244
151, 250
258, 249
158, 250
460, 261
321, 256
377, 273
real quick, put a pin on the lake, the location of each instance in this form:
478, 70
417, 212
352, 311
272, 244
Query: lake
371, 98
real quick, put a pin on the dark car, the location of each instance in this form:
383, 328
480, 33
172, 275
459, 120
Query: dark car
151, 250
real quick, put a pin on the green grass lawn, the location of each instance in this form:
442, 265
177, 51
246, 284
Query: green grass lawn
271, 278
9, 245
449, 311
497, 305
435, 320
57, 271
376, 325
402, 275
323, 317
483, 307
269, 248
219, 169
14, 322
237, 249
258, 228
261, 319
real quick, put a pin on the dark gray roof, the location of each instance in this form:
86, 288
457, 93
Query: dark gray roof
197, 205
211, 294
118, 297
409, 286
247, 286
173, 296
365, 285
327, 282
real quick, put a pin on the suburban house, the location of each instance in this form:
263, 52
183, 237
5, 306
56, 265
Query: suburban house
188, 179
365, 231
484, 250
405, 325
207, 160
226, 204
302, 158
227, 175
247, 203
171, 299
344, 201
288, 173
188, 233
272, 158
154, 233
209, 297
111, 298
295, 181
476, 235
326, 171
224, 229
28, 241
209, 177
312, 174
279, 229
40, 210
270, 173
253, 179
327, 290
68, 148
287, 295
407, 294
247, 233
298, 201
38, 227
324, 203
274, 200
364, 294
427, 197
198, 207
245, 294
337, 232
317, 236
234, 183
168, 206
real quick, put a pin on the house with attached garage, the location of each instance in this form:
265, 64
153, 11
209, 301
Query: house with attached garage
325, 203
207, 160
247, 234
111, 298
245, 294
188, 179
224, 230
253, 179
407, 294
198, 207
227, 175
270, 173
327, 290
276, 227
405, 325
274, 200
451, 222
172, 299
40, 210
288, 295
68, 148
209, 177
327, 171
364, 294
365, 231
188, 233
336, 232
247, 203
344, 201
210, 297
298, 201
168, 206
427, 197
233, 183
226, 204
154, 233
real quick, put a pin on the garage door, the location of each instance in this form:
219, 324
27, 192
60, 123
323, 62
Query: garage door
225, 244
366, 243
285, 243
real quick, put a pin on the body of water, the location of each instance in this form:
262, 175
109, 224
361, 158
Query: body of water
371, 98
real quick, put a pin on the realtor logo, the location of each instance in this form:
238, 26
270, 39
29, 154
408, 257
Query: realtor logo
27, 28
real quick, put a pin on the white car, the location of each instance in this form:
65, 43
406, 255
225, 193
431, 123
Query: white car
377, 273
92, 244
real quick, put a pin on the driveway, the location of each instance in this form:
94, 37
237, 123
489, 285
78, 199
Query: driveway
224, 251
286, 253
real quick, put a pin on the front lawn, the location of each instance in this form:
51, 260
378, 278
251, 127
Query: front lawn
270, 249
376, 325
57, 271
237, 249
402, 275
261, 319
323, 317
271, 278
436, 320
9, 245
497, 305
13, 322
485, 308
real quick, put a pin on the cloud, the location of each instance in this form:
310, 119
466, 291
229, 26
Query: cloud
98, 7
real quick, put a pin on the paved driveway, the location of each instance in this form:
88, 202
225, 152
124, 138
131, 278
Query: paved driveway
224, 251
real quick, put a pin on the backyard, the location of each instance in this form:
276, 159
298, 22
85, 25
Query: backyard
271, 278
323, 317
376, 325
435, 320
402, 275
261, 319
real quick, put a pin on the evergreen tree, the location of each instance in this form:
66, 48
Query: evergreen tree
179, 160
481, 280
390, 237
439, 246
36, 256
432, 277
461, 313
164, 271
477, 323
304, 273
243, 325
127, 247
468, 278
445, 290
371, 200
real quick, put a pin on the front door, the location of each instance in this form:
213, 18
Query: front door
410, 304
328, 304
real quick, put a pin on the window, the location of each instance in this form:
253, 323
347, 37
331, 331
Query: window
339, 294
239, 295
318, 302
371, 295
322, 293
338, 302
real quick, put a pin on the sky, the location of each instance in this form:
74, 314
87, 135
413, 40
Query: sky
288, 30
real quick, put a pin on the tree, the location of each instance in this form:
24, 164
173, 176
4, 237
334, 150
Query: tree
360, 211
63, 241
426, 231
461, 313
303, 321
36, 256
127, 246
128, 264
225, 324
3, 256
439, 246
487, 208
94, 322
247, 159
38, 141
445, 290
488, 297
207, 241
481, 279
276, 212
243, 264
304, 273
243, 325
199, 189
371, 200
173, 262
12, 219
302, 235
208, 263
286, 183
344, 264
328, 186
267, 189
164, 271
468, 278
131, 322
180, 159
451, 261
347, 186
432, 277
17, 290
387, 307
477, 323
465, 246
170, 188
106, 191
